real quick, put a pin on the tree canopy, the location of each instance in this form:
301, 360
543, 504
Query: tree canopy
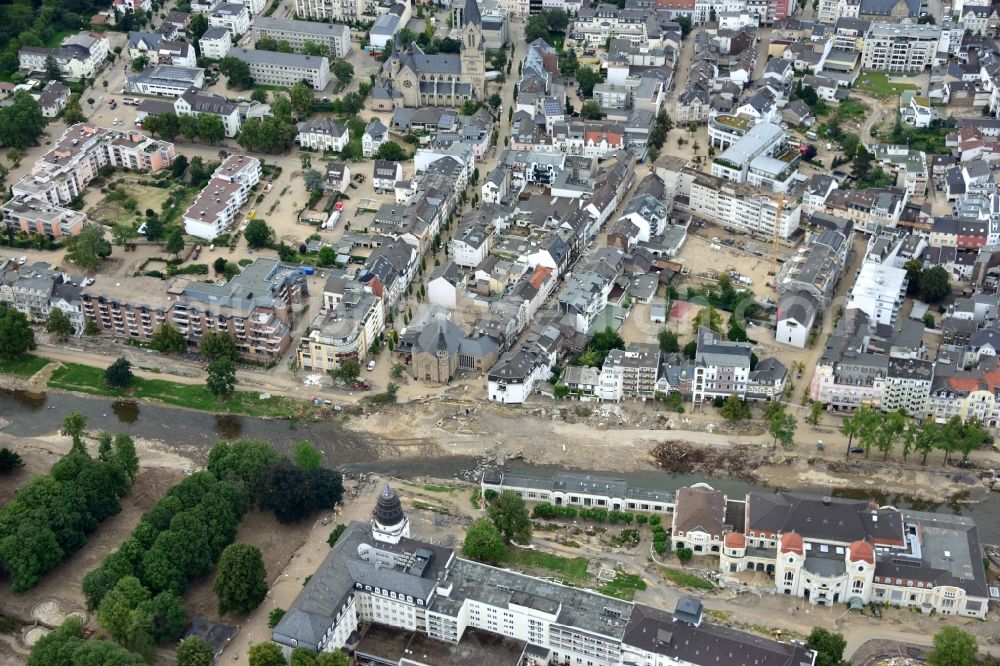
119, 375
390, 150
258, 234
241, 579
16, 334
510, 515
483, 542
22, 122
88, 248
953, 647
237, 73
828, 645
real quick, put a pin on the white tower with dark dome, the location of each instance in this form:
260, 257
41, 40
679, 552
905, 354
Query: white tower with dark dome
389, 523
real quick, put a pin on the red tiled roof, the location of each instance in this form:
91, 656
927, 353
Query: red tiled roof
861, 551
791, 542
735, 540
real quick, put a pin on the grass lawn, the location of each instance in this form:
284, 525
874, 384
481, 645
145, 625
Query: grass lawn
87, 379
431, 488
25, 365
877, 84
685, 579
623, 586
572, 569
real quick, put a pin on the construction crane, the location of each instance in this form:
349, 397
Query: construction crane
776, 238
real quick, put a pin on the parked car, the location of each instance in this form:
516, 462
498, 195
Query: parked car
371, 365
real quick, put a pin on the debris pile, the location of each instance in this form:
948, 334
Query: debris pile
735, 462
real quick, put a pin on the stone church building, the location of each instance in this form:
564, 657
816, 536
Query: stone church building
412, 78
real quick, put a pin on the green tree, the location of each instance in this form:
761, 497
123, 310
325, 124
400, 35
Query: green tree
274, 617
52, 70
66, 647
9, 461
349, 370
934, 284
306, 456
175, 242
708, 317
118, 613
829, 647
210, 128
511, 517
537, 27
781, 426
241, 580
242, 464
16, 335
483, 542
314, 180
301, 97
266, 654
685, 555
237, 73
168, 340
815, 414
953, 647
167, 615
88, 248
220, 345
75, 427
285, 490
119, 375
927, 438
390, 150
193, 651
58, 324
890, 429
221, 378
123, 233
344, 71
668, 341
587, 78
22, 122
90, 327
258, 234
188, 126
734, 409
177, 169
591, 110
72, 113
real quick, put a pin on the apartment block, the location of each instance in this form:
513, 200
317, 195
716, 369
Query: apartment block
346, 11
37, 216
352, 319
232, 16
215, 209
334, 36
630, 372
760, 157
37, 289
900, 47
62, 174
284, 69
216, 42
742, 206
79, 56
254, 308
721, 367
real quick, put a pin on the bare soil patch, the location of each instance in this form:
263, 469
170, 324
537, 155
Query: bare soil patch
278, 543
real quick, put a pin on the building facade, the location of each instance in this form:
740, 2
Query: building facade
284, 69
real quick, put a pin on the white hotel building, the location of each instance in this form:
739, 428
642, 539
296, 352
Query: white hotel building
390, 599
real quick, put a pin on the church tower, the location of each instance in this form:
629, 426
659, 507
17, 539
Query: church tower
389, 523
473, 48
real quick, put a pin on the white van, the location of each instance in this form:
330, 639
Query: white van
371, 365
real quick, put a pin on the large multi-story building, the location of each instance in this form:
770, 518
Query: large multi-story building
232, 16
347, 11
79, 56
760, 157
273, 68
721, 367
215, 209
900, 47
336, 37
630, 372
830, 550
194, 103
352, 319
847, 375
879, 290
165, 80
254, 308
580, 490
384, 595
37, 289
40, 199
742, 206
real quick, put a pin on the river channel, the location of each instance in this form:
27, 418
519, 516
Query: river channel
34, 415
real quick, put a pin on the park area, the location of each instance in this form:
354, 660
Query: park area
881, 86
